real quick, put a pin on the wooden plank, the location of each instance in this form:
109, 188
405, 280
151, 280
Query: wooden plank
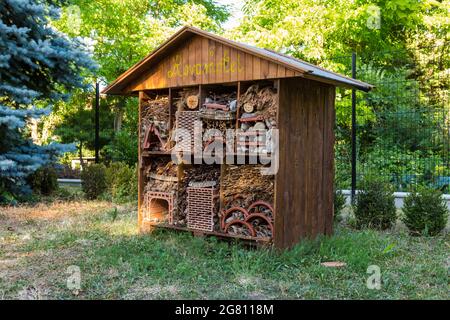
289, 73
140, 165
301, 163
317, 129
184, 70
264, 69
191, 65
226, 56
212, 61
171, 113
281, 71
205, 47
219, 63
198, 61
233, 65
256, 67
240, 65
272, 70
248, 67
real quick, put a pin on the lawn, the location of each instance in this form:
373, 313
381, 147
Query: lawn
39, 244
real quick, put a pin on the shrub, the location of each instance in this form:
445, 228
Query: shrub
425, 212
122, 182
339, 204
93, 180
375, 204
44, 181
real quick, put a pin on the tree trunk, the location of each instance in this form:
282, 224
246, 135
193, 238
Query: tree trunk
80, 154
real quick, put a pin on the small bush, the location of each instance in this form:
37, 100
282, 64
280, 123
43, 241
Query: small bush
425, 212
122, 182
93, 180
375, 204
44, 181
339, 204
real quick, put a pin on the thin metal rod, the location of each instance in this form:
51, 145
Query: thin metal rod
353, 130
97, 121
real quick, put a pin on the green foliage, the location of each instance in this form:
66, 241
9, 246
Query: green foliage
375, 205
93, 181
73, 121
124, 144
38, 67
44, 181
123, 147
425, 212
123, 32
339, 204
122, 182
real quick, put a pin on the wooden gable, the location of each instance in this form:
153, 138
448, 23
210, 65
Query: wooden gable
199, 60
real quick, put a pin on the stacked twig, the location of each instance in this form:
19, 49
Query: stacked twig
260, 103
244, 185
161, 176
155, 113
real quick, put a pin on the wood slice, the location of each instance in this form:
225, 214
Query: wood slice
248, 108
192, 102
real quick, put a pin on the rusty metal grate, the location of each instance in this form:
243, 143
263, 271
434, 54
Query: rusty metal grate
159, 206
201, 204
186, 120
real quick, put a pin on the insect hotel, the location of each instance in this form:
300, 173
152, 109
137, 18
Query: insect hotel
235, 141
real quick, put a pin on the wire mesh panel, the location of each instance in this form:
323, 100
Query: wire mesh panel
403, 125
201, 206
186, 120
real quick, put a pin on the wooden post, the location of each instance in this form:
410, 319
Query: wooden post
140, 165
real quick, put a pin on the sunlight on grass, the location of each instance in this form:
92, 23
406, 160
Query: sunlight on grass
39, 243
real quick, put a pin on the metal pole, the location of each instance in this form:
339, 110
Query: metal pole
353, 130
97, 121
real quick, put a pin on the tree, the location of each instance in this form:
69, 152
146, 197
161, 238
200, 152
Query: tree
38, 66
121, 33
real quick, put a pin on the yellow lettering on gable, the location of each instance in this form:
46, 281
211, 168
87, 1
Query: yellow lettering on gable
225, 65
198, 69
240, 69
226, 61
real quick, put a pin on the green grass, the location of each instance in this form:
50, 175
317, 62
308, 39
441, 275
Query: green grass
117, 263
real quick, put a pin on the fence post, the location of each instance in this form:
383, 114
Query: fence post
97, 121
353, 130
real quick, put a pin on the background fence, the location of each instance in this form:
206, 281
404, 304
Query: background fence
403, 126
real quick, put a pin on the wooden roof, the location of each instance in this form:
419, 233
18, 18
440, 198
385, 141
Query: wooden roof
192, 56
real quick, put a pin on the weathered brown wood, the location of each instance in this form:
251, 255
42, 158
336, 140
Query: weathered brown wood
140, 165
203, 61
305, 178
328, 154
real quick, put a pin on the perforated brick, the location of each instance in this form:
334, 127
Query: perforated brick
185, 120
154, 208
201, 205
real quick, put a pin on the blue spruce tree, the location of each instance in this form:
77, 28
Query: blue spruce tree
38, 65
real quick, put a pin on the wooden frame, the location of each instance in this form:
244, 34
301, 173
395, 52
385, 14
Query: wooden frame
303, 191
